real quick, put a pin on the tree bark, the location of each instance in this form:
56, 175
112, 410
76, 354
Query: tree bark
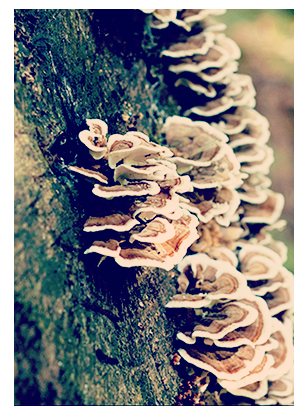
84, 335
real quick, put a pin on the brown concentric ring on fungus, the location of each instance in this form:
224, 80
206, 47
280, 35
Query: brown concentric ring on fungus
198, 44
247, 152
231, 364
267, 212
195, 141
220, 319
281, 299
216, 57
201, 88
243, 116
256, 333
157, 254
207, 279
132, 147
211, 203
139, 188
158, 230
258, 373
166, 254
258, 262
213, 75
282, 279
222, 253
213, 235
284, 354
281, 387
255, 390
225, 171
117, 222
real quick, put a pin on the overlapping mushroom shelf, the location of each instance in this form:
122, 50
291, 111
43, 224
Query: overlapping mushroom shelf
237, 322
237, 295
139, 220
205, 64
202, 152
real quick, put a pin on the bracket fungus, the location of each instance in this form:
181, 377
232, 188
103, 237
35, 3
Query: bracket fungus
206, 192
146, 226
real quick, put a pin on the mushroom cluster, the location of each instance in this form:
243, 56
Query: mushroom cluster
207, 193
237, 323
243, 337
138, 220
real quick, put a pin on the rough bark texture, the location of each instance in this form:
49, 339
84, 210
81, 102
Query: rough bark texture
83, 335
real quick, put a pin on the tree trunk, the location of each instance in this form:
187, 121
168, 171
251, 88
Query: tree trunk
84, 335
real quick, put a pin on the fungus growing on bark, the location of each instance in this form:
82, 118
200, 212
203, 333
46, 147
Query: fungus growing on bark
204, 280
147, 226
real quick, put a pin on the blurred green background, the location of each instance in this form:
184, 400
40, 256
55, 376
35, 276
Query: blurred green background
266, 39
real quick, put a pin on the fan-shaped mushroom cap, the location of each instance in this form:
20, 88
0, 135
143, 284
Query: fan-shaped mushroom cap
225, 171
198, 44
254, 188
117, 222
213, 235
258, 373
166, 254
256, 333
230, 364
198, 86
255, 390
239, 91
259, 262
159, 230
281, 387
95, 143
262, 165
220, 203
223, 254
139, 188
284, 354
244, 116
109, 247
97, 127
266, 212
152, 170
184, 18
132, 147
204, 279
216, 57
283, 278
94, 174
213, 75
159, 251
281, 299
194, 140
220, 319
